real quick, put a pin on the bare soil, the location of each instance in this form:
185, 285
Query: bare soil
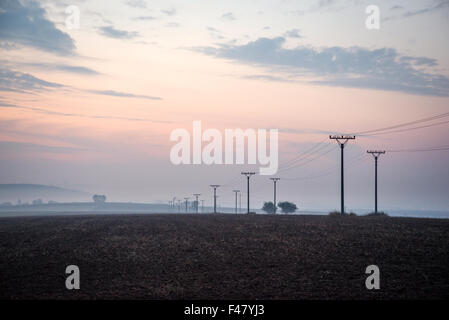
205, 256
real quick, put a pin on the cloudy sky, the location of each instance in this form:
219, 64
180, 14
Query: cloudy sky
92, 108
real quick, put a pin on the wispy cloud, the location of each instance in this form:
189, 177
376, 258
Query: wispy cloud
29, 26
267, 77
145, 18
172, 25
294, 33
140, 4
123, 94
60, 67
441, 4
326, 3
215, 33
438, 6
16, 81
383, 69
14, 146
111, 32
397, 7
228, 16
79, 115
169, 12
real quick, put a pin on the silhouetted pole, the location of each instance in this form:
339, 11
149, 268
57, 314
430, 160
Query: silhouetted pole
240, 203
376, 155
179, 205
236, 192
342, 140
248, 175
202, 206
187, 201
275, 180
215, 186
196, 203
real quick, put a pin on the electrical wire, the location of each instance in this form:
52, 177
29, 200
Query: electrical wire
300, 164
408, 129
423, 149
401, 125
301, 154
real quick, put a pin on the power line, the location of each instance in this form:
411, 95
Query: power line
293, 163
196, 201
236, 192
329, 170
376, 155
408, 129
423, 149
305, 157
215, 186
405, 124
306, 161
274, 201
248, 175
342, 140
299, 156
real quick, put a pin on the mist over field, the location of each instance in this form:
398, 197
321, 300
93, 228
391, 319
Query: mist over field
224, 151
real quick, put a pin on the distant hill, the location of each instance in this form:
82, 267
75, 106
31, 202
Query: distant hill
29, 192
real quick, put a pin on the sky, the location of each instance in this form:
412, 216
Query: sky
91, 107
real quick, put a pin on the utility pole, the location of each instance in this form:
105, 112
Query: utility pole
187, 201
240, 202
202, 206
376, 154
275, 180
342, 140
215, 186
196, 203
174, 204
236, 192
179, 205
248, 175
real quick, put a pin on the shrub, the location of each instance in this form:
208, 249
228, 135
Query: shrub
268, 207
338, 214
287, 207
377, 214
334, 214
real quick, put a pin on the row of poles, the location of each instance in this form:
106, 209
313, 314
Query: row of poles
172, 203
248, 176
215, 186
342, 140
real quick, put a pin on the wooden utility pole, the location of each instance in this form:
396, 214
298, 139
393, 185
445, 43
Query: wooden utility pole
274, 202
248, 175
376, 154
342, 140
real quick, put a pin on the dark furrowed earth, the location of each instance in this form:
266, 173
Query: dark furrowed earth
224, 256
